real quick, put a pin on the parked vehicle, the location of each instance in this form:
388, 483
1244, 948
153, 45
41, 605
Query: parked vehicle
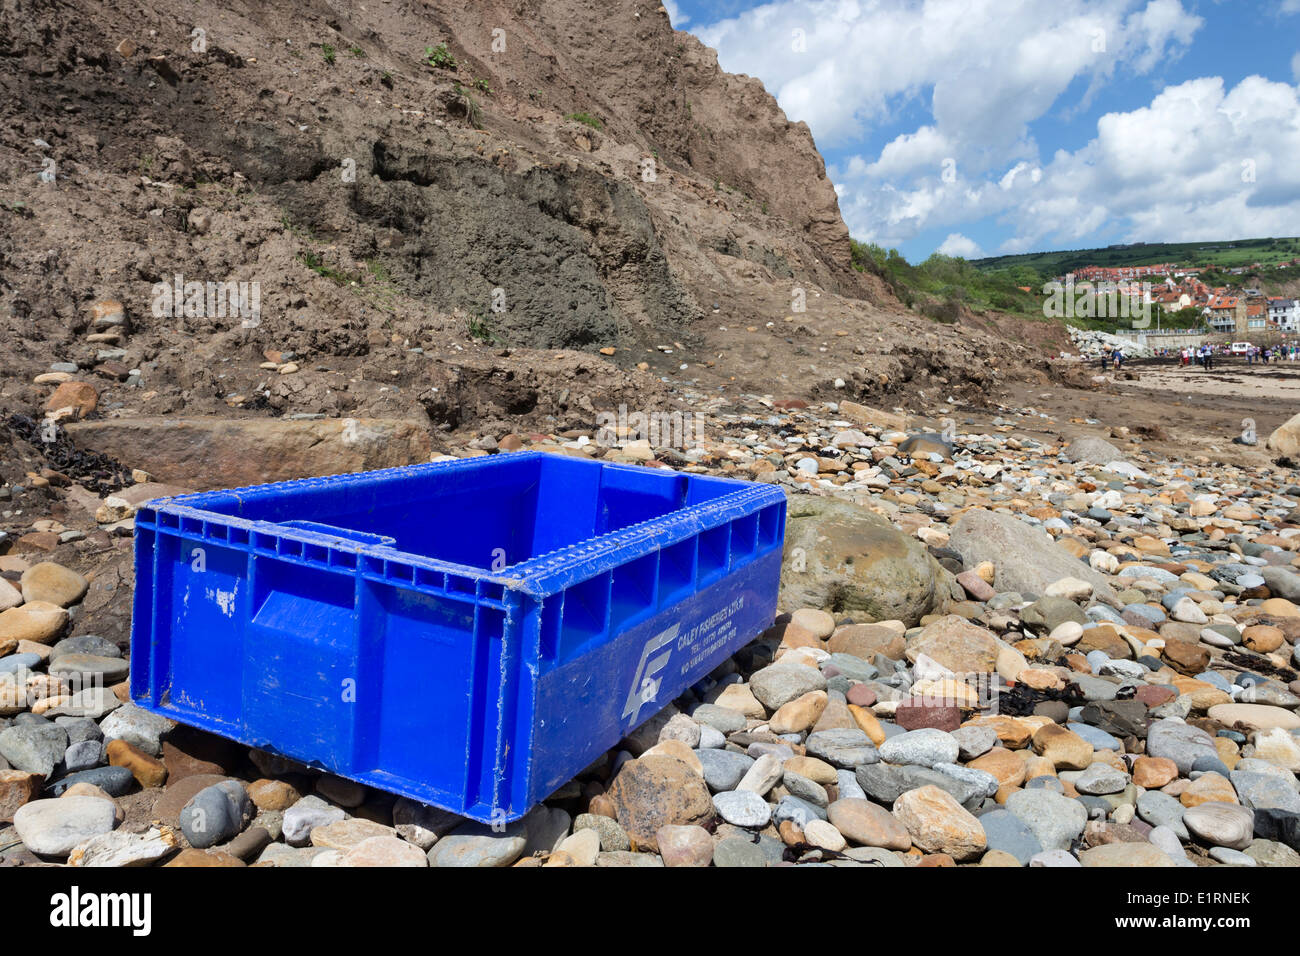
1239, 348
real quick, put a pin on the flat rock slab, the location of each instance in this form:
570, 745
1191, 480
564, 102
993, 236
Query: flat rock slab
53, 583
110, 670
476, 850
207, 453
1126, 854
54, 827
119, 848
1254, 716
1221, 824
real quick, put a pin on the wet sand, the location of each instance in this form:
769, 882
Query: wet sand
1279, 381
1197, 413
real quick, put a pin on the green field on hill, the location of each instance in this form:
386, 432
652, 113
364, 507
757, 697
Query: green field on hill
942, 286
1225, 254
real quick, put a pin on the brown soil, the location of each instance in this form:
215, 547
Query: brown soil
233, 164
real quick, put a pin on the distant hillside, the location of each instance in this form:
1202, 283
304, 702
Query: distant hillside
1227, 254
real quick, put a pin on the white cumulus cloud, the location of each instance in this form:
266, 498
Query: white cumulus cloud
986, 68
958, 245
980, 73
1200, 162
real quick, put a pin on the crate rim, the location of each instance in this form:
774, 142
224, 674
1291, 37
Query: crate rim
539, 576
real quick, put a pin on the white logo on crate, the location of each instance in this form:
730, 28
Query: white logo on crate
645, 685
224, 599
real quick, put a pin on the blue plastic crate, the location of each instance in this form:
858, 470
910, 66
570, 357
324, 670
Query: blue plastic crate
469, 633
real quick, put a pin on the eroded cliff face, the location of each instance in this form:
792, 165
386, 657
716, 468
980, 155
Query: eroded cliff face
664, 90
561, 175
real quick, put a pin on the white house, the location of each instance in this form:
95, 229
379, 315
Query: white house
1284, 314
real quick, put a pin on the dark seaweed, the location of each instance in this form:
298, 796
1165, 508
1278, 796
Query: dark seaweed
98, 473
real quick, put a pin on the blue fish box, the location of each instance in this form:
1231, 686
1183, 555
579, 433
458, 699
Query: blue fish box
471, 634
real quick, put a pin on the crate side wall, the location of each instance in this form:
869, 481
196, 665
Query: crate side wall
702, 598
345, 666
143, 686
589, 703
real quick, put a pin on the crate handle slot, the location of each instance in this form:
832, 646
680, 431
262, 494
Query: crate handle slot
329, 530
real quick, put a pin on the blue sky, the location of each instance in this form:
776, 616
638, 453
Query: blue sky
985, 127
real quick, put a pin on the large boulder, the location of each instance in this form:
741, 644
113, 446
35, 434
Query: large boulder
957, 644
1094, 451
1285, 439
1025, 558
846, 559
